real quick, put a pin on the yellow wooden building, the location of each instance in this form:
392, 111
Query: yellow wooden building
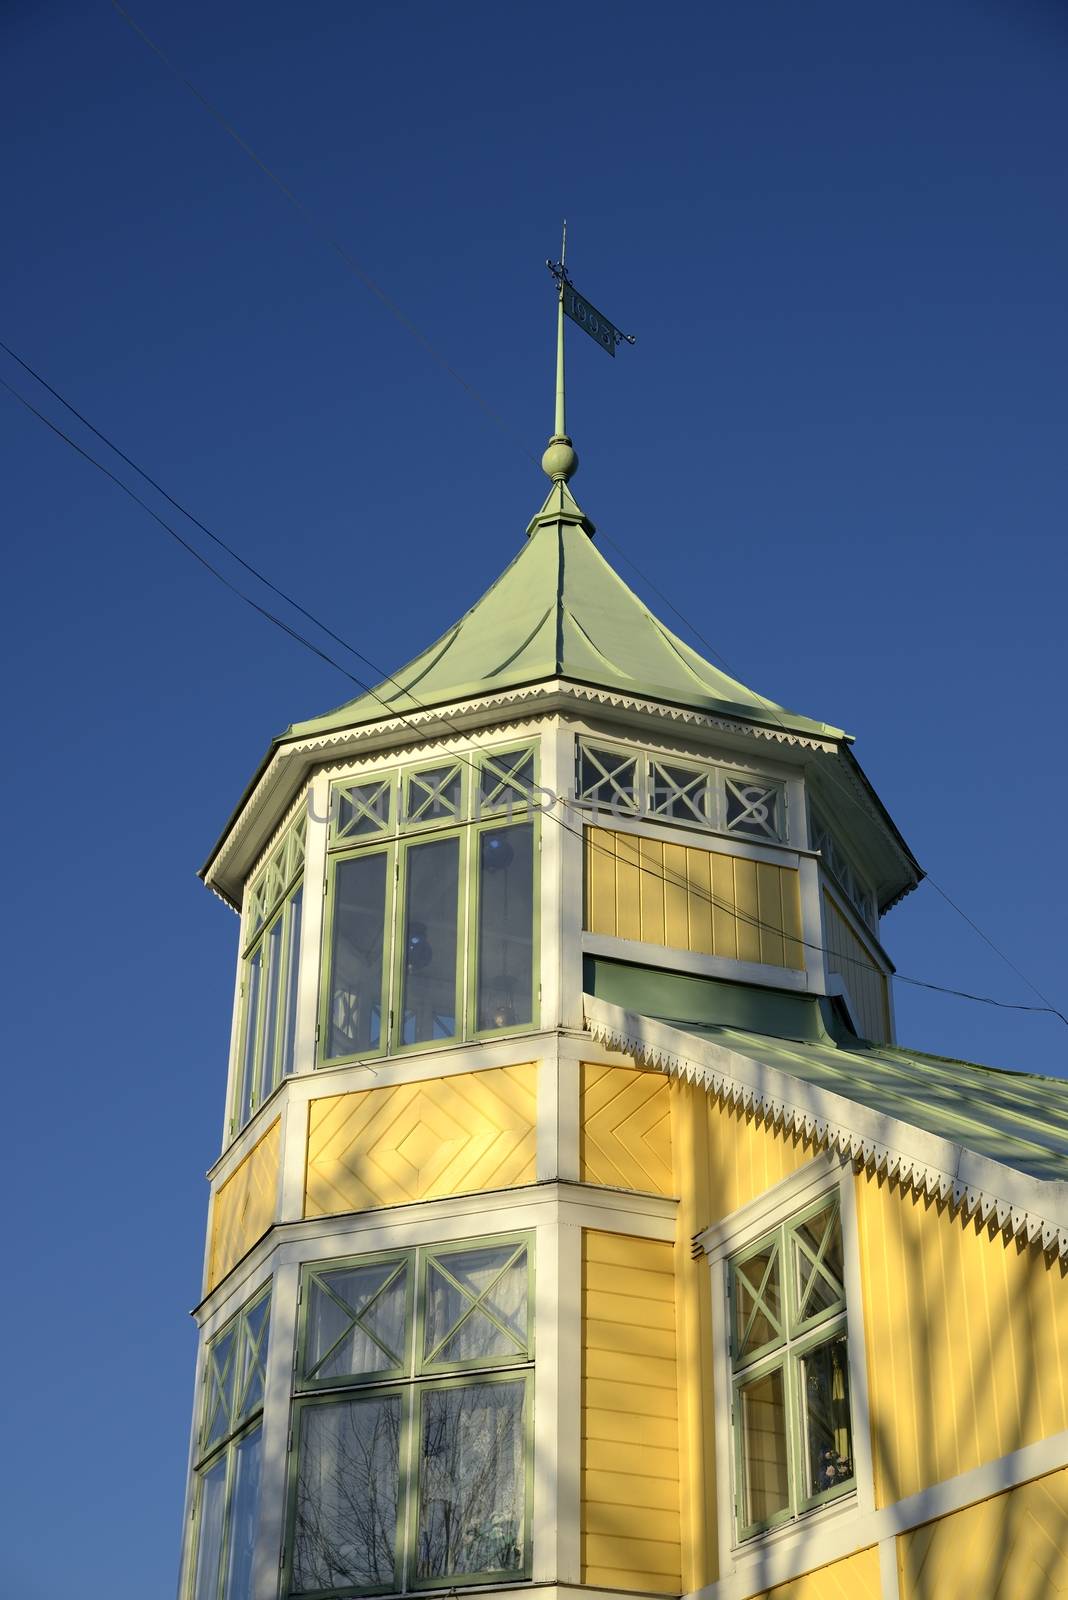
578, 1224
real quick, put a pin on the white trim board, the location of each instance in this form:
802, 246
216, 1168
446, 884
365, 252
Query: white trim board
972, 1184
828, 1537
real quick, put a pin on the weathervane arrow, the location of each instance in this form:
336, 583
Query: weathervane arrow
599, 327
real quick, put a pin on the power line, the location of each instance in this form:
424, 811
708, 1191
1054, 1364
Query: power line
361, 273
662, 876
308, 217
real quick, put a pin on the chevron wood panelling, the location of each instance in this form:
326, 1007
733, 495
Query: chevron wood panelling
855, 1578
630, 1430
1013, 1547
692, 899
626, 1129
244, 1206
420, 1141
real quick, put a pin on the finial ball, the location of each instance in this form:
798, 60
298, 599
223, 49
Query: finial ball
560, 461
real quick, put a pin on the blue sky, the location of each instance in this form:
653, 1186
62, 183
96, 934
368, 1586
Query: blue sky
841, 236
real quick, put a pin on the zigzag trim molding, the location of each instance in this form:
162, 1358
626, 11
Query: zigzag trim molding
345, 739
825, 1133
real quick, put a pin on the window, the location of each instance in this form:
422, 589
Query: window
229, 1448
412, 1422
430, 925
839, 865
271, 967
629, 783
790, 1404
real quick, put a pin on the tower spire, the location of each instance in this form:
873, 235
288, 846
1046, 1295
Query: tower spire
560, 461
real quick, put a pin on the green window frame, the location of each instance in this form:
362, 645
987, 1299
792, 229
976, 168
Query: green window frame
270, 975
455, 958
411, 1445
791, 1407
228, 1456
625, 780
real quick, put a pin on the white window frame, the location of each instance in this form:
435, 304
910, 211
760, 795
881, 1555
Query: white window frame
829, 1174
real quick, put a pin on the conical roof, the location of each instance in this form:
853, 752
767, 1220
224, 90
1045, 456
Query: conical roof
559, 610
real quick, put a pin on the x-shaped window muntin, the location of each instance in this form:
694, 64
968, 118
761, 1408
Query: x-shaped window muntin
476, 1302
611, 765
755, 813
433, 782
742, 1282
670, 783
818, 1269
503, 782
235, 1358
365, 804
356, 1320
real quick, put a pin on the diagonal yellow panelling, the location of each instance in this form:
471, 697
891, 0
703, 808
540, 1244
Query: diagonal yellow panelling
692, 899
1013, 1547
244, 1205
419, 1141
967, 1340
847, 956
855, 1578
626, 1129
631, 1535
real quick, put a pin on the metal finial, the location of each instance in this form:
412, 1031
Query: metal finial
560, 461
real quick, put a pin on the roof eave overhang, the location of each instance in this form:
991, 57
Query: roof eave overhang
292, 757
972, 1184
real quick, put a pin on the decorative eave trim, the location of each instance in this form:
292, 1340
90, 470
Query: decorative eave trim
971, 1184
550, 694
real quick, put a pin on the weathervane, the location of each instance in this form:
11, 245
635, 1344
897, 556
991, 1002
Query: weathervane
560, 462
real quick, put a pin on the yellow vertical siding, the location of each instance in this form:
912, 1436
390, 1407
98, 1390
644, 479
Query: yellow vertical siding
1013, 1547
244, 1205
848, 957
630, 1436
418, 1141
625, 1138
692, 899
967, 1341
855, 1578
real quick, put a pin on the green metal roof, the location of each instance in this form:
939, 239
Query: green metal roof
1015, 1118
559, 610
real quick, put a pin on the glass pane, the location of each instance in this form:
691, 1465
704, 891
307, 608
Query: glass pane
430, 941
434, 796
270, 1005
222, 1368
484, 1278
756, 1301
506, 781
753, 808
471, 1481
765, 1480
828, 1435
362, 808
289, 1018
506, 926
347, 1490
244, 1516
818, 1255
252, 1016
355, 1021
211, 1503
356, 1321
255, 1336
609, 779
678, 792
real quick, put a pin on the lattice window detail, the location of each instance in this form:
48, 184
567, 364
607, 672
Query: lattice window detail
754, 808
608, 778
506, 782
434, 795
361, 810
